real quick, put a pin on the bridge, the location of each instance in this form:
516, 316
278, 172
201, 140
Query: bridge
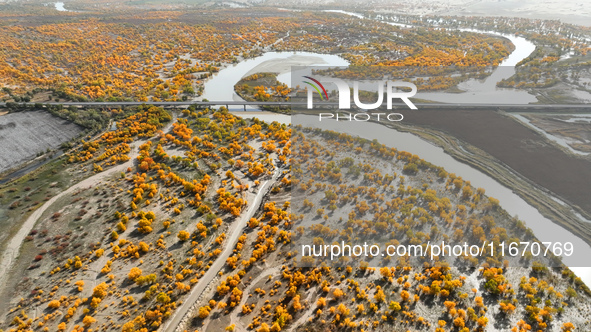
397, 106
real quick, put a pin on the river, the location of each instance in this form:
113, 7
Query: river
476, 90
221, 87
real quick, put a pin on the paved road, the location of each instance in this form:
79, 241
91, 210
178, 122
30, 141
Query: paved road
176, 322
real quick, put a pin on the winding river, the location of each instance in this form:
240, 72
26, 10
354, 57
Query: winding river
221, 87
481, 91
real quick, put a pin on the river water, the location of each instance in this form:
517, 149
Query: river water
221, 87
481, 91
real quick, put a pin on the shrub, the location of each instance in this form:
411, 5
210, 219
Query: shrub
53, 304
134, 273
184, 235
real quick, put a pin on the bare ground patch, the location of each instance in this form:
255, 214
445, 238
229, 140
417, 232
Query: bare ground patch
23, 135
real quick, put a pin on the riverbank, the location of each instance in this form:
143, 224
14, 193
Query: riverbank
533, 193
517, 146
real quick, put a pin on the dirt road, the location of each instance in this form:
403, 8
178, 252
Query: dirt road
12, 251
180, 316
